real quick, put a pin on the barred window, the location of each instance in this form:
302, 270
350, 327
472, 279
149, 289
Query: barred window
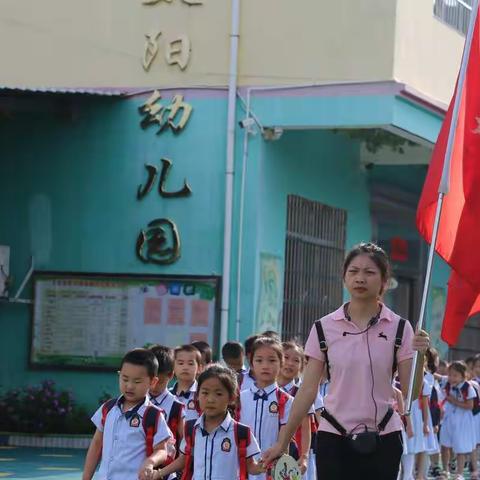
315, 250
455, 13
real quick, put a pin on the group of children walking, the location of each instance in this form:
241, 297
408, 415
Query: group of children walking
443, 431
216, 419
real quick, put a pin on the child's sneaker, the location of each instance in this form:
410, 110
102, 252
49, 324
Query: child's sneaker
435, 472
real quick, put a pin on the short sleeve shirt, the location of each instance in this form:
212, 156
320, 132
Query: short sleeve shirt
124, 442
259, 409
349, 397
165, 401
215, 454
458, 394
189, 400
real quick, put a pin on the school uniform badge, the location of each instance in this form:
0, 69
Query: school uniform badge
191, 405
273, 407
135, 421
226, 445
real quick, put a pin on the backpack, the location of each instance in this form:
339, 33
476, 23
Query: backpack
464, 390
174, 419
242, 439
149, 422
396, 346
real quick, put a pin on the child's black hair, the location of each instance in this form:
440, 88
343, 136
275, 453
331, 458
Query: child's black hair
249, 344
205, 350
142, 357
271, 334
164, 357
232, 350
469, 361
190, 349
432, 359
226, 377
460, 367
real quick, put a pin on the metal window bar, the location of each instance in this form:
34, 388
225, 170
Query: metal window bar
314, 253
455, 13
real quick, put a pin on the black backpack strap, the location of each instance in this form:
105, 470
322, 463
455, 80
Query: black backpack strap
176, 410
150, 423
243, 432
398, 343
385, 420
240, 377
333, 421
323, 345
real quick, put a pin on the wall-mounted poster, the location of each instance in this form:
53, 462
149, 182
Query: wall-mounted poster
271, 294
437, 313
91, 320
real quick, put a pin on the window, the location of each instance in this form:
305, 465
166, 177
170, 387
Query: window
315, 250
455, 13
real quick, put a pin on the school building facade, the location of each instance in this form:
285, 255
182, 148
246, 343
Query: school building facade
251, 142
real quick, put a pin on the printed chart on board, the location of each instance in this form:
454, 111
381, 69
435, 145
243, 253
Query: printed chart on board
82, 320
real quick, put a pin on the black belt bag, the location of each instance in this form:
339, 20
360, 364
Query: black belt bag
364, 442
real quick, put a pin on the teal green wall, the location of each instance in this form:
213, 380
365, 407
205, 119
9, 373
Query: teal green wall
68, 197
318, 165
70, 168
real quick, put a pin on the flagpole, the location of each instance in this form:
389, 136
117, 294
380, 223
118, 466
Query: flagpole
442, 191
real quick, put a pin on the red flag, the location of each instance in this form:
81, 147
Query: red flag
458, 240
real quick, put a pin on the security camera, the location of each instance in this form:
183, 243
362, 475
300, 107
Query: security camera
248, 123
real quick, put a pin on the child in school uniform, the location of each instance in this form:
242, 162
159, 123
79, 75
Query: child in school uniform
187, 362
233, 355
265, 407
132, 434
215, 445
458, 431
246, 379
408, 460
433, 448
161, 397
476, 416
206, 353
293, 364
417, 445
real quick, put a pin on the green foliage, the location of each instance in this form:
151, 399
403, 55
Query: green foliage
377, 138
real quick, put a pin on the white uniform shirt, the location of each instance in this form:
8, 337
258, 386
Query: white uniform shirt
259, 410
165, 401
215, 454
457, 393
124, 443
188, 399
292, 389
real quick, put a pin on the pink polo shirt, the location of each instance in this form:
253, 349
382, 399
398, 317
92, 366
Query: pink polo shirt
349, 397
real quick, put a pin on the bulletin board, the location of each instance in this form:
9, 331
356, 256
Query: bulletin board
89, 321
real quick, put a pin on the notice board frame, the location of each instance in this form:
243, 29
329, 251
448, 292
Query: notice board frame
135, 278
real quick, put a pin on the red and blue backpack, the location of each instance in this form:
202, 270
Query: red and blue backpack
242, 439
149, 422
